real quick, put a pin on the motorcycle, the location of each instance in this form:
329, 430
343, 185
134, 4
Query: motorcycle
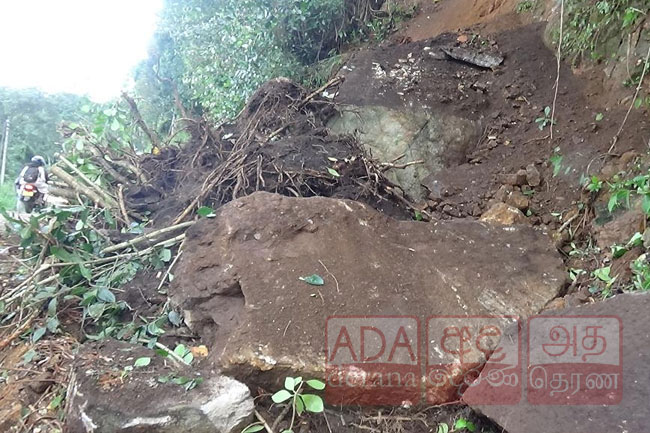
30, 197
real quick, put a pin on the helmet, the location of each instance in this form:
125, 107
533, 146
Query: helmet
39, 160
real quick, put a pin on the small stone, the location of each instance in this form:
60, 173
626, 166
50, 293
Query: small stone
533, 177
502, 193
504, 214
555, 304
518, 200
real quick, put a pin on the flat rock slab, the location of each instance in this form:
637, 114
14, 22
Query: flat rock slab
108, 394
602, 404
239, 278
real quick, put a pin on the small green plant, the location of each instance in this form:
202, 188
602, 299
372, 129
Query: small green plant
556, 161
603, 275
545, 120
594, 184
300, 402
187, 383
463, 424
599, 117
526, 6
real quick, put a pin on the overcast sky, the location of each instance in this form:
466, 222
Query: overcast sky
77, 46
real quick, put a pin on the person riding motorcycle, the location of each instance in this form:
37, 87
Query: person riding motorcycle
34, 173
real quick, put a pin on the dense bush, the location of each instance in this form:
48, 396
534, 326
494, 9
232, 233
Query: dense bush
218, 53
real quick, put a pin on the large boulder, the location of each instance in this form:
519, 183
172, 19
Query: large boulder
109, 394
589, 395
438, 140
239, 279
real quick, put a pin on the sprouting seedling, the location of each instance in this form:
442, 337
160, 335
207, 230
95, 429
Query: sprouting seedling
545, 120
300, 402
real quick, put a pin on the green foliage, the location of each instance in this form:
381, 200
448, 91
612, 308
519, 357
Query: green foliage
7, 196
526, 6
219, 53
594, 184
594, 29
186, 382
34, 118
464, 425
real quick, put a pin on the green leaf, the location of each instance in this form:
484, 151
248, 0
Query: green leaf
142, 362
181, 350
280, 396
206, 212
29, 356
115, 125
155, 330
104, 294
636, 240
443, 428
38, 334
300, 405
556, 161
51, 307
289, 383
165, 255
52, 324
313, 403
253, 428
314, 280
316, 384
333, 172
603, 274
85, 272
56, 402
599, 117
96, 310
462, 423
618, 251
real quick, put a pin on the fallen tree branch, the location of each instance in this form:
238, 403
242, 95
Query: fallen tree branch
120, 197
388, 165
81, 189
107, 198
155, 141
133, 242
22, 328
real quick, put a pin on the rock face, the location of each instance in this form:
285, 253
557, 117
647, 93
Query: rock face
239, 285
108, 395
439, 140
628, 410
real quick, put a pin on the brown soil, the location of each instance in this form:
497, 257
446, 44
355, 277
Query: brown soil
437, 17
507, 100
